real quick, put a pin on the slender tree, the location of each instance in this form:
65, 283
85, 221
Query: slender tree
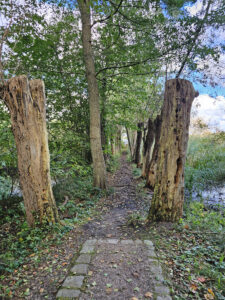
93, 92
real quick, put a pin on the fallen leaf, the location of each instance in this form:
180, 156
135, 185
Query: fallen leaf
211, 292
90, 273
41, 290
136, 274
186, 226
108, 235
134, 298
193, 287
108, 291
148, 295
64, 263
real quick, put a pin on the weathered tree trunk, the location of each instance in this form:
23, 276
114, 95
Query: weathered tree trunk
133, 138
167, 202
26, 103
151, 163
93, 92
137, 153
148, 143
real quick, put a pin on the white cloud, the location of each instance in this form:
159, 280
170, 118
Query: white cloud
210, 110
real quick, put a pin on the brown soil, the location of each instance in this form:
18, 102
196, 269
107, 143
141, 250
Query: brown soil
118, 272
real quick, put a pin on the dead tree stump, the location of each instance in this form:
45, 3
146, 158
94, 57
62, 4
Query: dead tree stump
26, 103
167, 202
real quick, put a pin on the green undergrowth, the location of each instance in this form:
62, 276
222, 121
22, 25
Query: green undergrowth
193, 253
75, 198
136, 171
205, 165
112, 163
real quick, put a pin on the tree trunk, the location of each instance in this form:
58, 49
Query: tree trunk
167, 202
93, 92
26, 103
148, 143
137, 154
151, 162
118, 140
129, 142
133, 138
104, 138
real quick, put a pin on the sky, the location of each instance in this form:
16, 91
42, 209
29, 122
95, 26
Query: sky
210, 110
210, 104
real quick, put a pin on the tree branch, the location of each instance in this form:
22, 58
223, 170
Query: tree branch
194, 40
109, 16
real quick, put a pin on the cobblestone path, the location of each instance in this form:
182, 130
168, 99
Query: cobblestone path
122, 267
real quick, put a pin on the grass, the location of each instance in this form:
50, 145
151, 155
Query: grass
205, 165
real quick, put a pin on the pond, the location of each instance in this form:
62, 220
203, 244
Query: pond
213, 198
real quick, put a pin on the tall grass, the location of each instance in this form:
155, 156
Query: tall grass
205, 164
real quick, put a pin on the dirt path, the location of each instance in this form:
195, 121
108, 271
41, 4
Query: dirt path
115, 262
118, 206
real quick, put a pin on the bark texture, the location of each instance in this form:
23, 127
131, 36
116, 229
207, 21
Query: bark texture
151, 164
26, 103
147, 146
93, 92
167, 202
137, 154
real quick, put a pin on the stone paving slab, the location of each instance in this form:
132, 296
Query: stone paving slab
119, 256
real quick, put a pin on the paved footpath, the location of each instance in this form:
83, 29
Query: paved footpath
117, 269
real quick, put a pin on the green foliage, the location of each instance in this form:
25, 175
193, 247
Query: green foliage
194, 253
75, 197
198, 217
112, 163
135, 219
136, 171
205, 165
5, 188
21, 241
